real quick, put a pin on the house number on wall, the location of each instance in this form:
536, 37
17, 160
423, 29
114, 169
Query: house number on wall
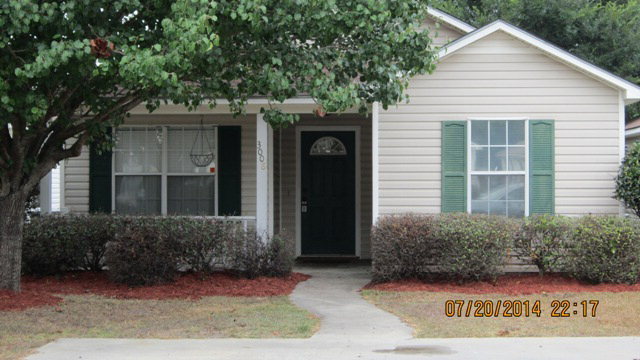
263, 165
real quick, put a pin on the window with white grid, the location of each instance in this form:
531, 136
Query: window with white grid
153, 172
498, 167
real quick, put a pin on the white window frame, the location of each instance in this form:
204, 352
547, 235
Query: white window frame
470, 172
164, 173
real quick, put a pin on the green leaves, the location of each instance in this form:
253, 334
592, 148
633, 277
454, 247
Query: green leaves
627, 184
74, 68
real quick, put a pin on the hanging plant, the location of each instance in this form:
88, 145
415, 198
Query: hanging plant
201, 151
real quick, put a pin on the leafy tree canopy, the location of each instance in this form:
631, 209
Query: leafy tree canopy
606, 33
70, 69
63, 61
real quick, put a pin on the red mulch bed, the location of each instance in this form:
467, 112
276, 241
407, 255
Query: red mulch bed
42, 291
508, 284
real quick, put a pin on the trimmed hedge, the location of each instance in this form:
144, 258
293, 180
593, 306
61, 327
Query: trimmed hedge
53, 244
543, 241
149, 250
465, 247
459, 247
605, 250
403, 247
473, 247
145, 253
252, 257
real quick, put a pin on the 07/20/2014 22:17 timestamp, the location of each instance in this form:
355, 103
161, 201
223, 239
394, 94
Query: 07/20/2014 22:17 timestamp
518, 308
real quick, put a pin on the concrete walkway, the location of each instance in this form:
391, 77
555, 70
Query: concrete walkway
351, 329
333, 293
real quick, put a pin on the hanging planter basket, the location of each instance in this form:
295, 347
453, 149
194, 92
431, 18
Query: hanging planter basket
201, 153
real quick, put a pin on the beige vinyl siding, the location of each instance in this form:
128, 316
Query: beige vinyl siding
499, 76
76, 172
288, 174
76, 183
440, 32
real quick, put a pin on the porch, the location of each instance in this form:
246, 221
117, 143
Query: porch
269, 181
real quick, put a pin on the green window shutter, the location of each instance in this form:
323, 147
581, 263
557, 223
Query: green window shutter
229, 171
99, 181
454, 166
541, 167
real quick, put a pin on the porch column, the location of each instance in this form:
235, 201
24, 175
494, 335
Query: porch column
375, 182
264, 178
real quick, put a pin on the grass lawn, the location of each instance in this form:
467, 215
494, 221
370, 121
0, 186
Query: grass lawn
101, 317
618, 314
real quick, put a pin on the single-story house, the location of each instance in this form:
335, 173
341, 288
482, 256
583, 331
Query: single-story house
508, 124
632, 131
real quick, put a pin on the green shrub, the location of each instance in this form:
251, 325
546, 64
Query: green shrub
605, 250
459, 247
53, 244
145, 252
543, 241
204, 242
403, 247
149, 250
627, 183
473, 247
252, 257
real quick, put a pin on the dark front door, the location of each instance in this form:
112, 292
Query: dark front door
328, 192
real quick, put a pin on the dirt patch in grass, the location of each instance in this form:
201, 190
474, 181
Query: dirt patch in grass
93, 316
618, 314
45, 291
507, 284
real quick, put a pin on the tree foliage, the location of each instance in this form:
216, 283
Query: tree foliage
628, 180
70, 69
606, 33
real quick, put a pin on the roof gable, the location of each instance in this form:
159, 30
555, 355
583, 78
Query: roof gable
631, 91
450, 20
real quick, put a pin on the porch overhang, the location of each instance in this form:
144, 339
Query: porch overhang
301, 105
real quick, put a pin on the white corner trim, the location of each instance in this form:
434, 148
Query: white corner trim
622, 124
375, 164
622, 140
632, 91
358, 197
450, 20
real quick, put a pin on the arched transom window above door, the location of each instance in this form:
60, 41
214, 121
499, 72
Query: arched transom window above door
328, 145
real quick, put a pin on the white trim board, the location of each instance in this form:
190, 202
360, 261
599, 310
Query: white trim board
450, 20
358, 198
631, 91
375, 163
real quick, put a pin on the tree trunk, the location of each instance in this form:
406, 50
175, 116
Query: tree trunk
11, 225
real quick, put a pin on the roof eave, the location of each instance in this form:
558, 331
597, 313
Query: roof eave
632, 132
450, 20
631, 92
